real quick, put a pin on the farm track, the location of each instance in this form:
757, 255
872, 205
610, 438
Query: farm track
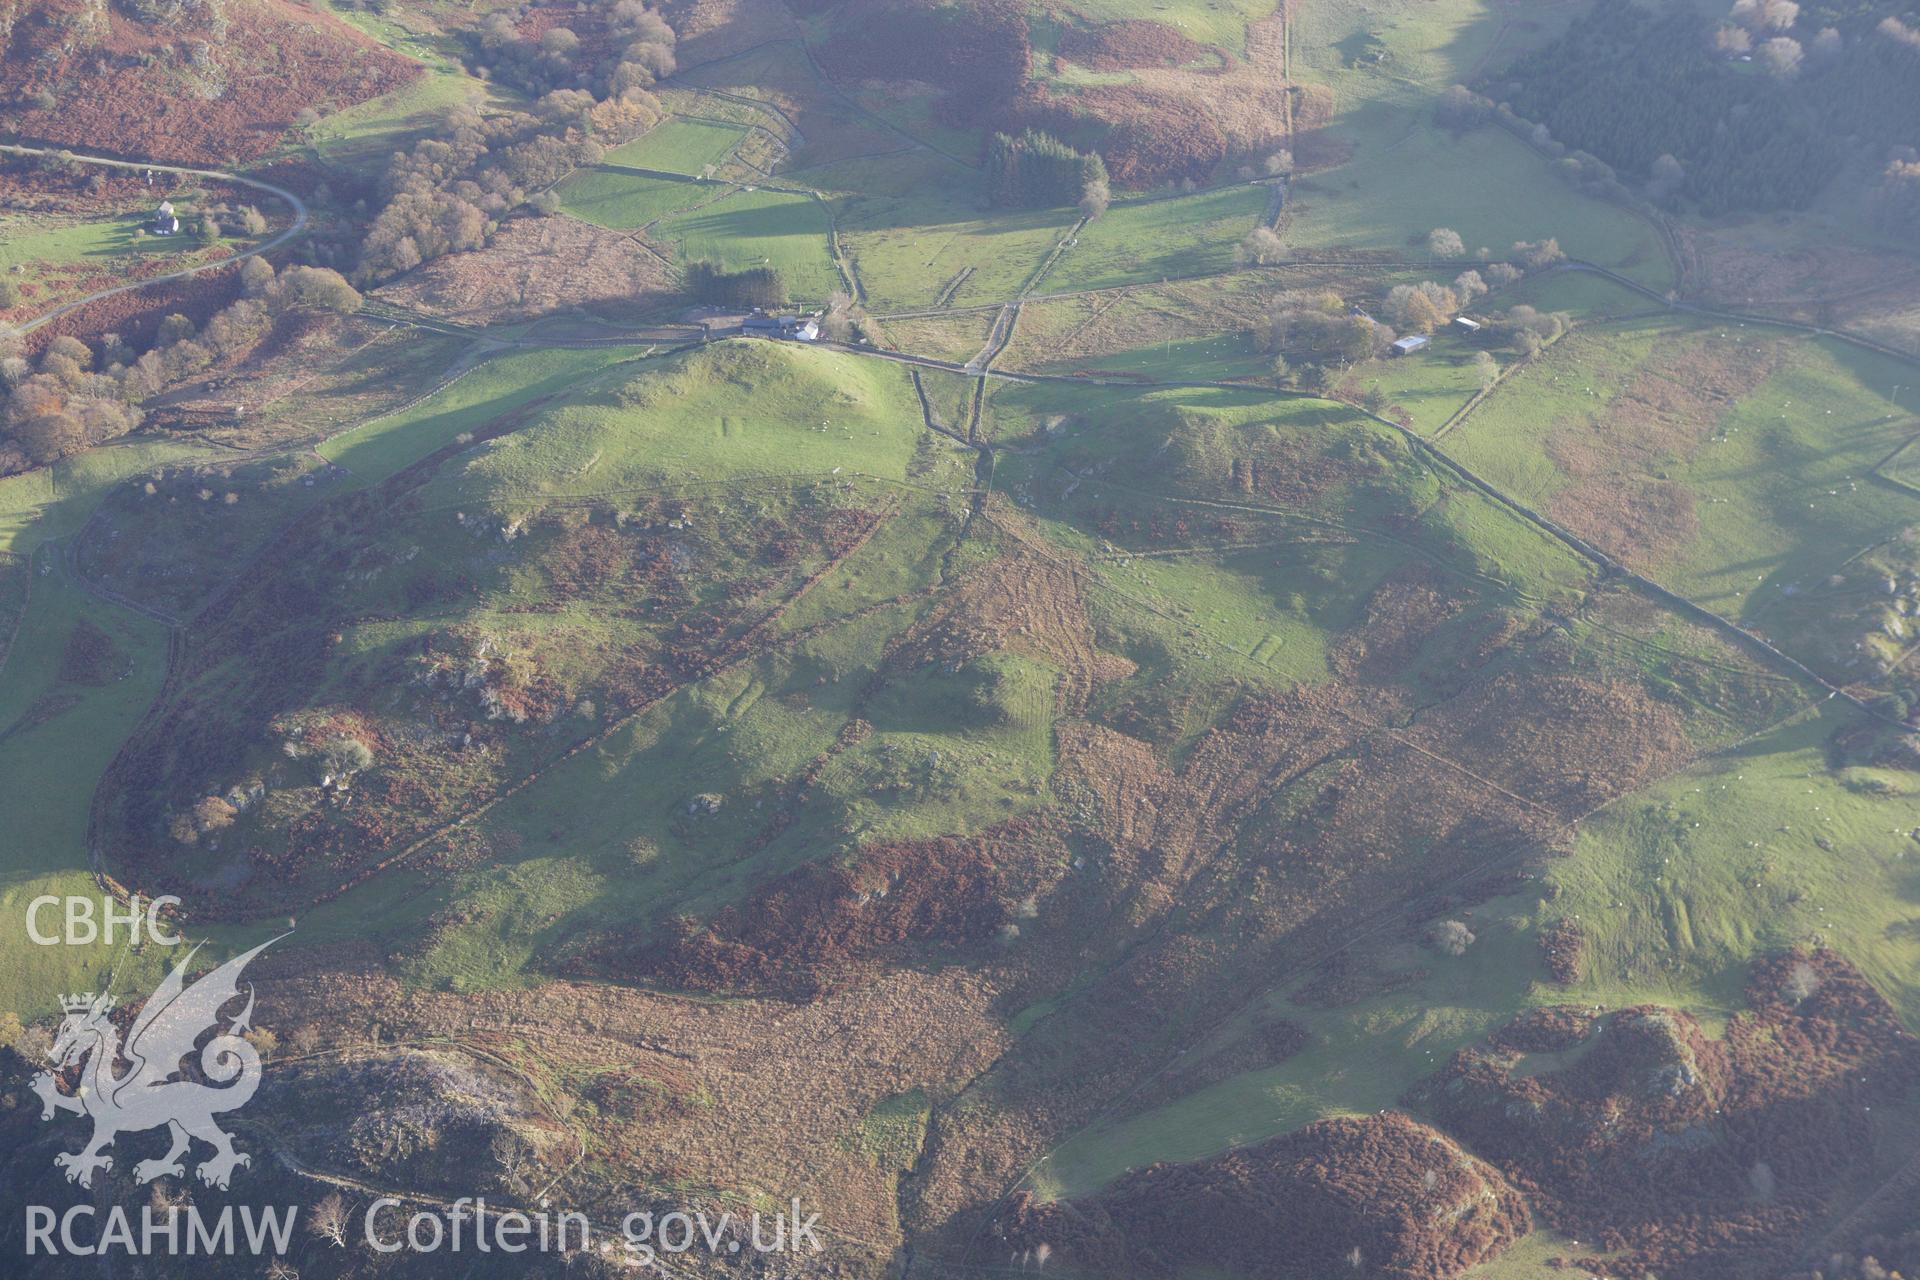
291, 200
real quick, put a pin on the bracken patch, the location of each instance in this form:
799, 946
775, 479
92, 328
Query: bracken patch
821, 927
1399, 1196
1130, 43
1684, 1156
179, 92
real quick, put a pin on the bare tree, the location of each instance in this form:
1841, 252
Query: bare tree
843, 315
1534, 255
1899, 32
1765, 15
1445, 242
1262, 247
329, 1220
1462, 109
1094, 199
1421, 307
1782, 56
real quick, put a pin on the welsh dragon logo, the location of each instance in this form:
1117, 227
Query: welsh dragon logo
153, 1091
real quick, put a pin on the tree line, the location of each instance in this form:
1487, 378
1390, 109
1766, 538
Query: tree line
76, 396
1313, 335
450, 191
629, 47
1759, 110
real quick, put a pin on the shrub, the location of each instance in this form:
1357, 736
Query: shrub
1450, 937
343, 757
1261, 247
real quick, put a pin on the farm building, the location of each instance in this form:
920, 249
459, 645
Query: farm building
165, 222
1463, 325
790, 328
1409, 344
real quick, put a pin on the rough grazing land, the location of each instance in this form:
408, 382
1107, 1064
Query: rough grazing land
132, 91
535, 267
1409, 1201
1718, 1154
1189, 803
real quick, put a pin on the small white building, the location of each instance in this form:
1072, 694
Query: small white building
1409, 344
1463, 325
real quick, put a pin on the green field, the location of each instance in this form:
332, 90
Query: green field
58, 259
1152, 240
1678, 888
622, 200
363, 136
740, 409
1222, 23
1776, 480
1407, 177
377, 449
1428, 387
1584, 295
1215, 357
759, 228
915, 231
56, 735
33, 245
680, 146
957, 336
1392, 175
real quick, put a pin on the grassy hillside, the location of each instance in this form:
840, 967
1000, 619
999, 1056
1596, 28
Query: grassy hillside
739, 769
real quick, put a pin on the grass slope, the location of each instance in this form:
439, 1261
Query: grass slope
759, 228
1150, 240
680, 146
616, 198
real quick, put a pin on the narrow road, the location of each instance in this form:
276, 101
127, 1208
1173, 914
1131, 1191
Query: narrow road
293, 202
